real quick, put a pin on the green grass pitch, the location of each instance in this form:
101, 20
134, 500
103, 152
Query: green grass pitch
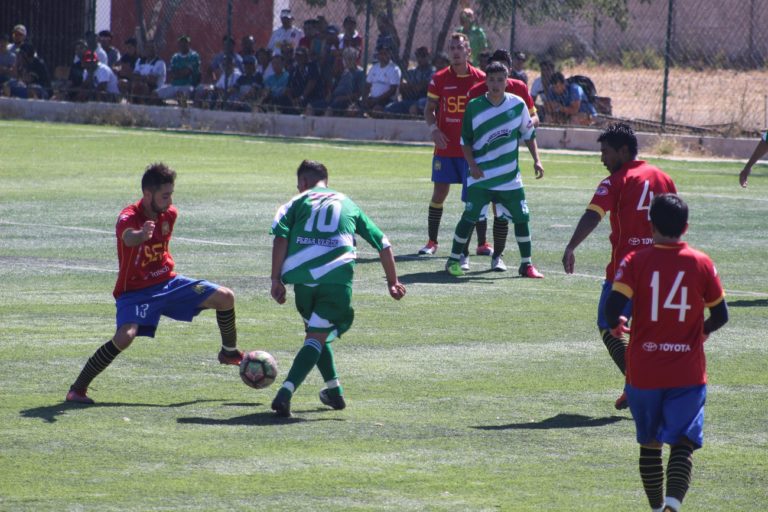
483, 393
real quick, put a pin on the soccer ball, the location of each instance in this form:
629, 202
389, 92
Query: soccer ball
258, 369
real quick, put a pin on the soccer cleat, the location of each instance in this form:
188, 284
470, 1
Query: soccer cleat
453, 267
484, 250
282, 406
78, 396
528, 270
231, 358
498, 265
621, 402
464, 262
429, 249
337, 402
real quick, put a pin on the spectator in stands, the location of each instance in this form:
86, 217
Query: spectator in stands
18, 37
517, 70
92, 41
68, 89
350, 37
288, 53
99, 81
184, 73
264, 63
349, 87
388, 36
287, 32
249, 85
113, 54
547, 68
567, 103
247, 49
441, 61
32, 79
276, 85
217, 66
124, 66
413, 87
225, 88
305, 85
382, 82
148, 75
478, 41
330, 62
483, 59
7, 60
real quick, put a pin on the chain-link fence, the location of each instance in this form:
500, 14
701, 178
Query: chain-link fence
692, 65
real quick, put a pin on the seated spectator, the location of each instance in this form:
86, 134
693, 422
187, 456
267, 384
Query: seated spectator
567, 103
539, 87
18, 37
286, 32
92, 41
7, 60
124, 67
347, 89
247, 48
441, 61
184, 73
517, 71
149, 75
113, 54
249, 85
288, 53
305, 85
413, 88
68, 88
222, 94
309, 34
276, 85
217, 65
32, 79
99, 81
350, 37
382, 82
483, 59
264, 63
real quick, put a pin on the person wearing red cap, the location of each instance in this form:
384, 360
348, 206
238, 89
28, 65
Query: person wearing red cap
99, 81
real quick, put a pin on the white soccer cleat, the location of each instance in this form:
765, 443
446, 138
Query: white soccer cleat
498, 265
464, 263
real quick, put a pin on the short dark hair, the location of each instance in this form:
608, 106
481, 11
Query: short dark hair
157, 175
312, 170
496, 66
669, 215
501, 55
557, 78
618, 135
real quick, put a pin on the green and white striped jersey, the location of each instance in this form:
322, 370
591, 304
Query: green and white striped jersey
494, 133
320, 225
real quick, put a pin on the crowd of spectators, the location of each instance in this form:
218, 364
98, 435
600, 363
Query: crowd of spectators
313, 70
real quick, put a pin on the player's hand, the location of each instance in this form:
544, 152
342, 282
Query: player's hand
569, 260
278, 291
476, 172
147, 230
743, 175
439, 138
397, 290
621, 329
538, 169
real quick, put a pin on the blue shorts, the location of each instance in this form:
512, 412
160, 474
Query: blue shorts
178, 298
602, 323
669, 414
449, 169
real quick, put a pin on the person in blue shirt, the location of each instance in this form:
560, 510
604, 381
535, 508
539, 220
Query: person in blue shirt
567, 103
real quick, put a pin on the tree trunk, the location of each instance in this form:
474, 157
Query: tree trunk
411, 32
443, 35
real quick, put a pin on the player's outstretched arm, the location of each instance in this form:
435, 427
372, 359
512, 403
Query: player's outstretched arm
533, 148
395, 287
586, 225
279, 251
757, 154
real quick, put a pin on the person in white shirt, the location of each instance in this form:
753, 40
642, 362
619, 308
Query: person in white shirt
287, 32
99, 81
382, 81
149, 74
93, 44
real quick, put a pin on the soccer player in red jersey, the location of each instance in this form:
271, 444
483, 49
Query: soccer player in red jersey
518, 88
627, 195
670, 284
446, 102
147, 286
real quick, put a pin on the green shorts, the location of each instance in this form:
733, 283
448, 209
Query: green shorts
510, 204
325, 308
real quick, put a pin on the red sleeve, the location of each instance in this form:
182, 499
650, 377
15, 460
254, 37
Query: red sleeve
434, 89
518, 88
713, 290
605, 197
624, 280
127, 220
477, 90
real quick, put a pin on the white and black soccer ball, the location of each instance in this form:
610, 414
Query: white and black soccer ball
258, 369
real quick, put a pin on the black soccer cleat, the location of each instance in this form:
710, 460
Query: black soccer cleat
337, 402
281, 406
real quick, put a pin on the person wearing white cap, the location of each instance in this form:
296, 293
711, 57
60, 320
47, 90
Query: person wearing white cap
18, 37
286, 32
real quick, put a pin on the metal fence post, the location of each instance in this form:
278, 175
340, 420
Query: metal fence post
367, 34
512, 27
667, 59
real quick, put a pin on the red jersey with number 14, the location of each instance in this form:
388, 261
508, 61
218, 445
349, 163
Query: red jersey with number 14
150, 262
450, 90
627, 194
670, 286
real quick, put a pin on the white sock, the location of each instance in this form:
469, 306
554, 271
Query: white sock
289, 386
333, 383
674, 503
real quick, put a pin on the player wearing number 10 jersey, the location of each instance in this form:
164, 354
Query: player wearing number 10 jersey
627, 194
314, 249
670, 285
